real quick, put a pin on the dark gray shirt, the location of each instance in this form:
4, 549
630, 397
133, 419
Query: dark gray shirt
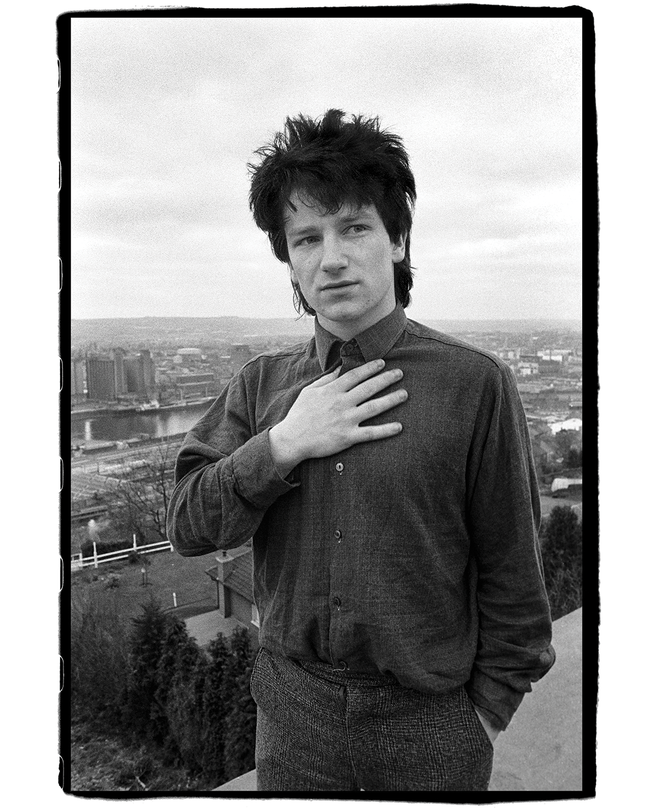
416, 556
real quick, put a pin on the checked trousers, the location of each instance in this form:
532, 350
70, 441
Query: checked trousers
319, 729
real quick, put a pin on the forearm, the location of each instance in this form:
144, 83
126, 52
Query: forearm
221, 504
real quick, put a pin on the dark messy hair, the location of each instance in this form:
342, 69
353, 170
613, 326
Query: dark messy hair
332, 162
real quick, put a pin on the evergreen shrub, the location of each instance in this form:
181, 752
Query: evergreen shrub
98, 657
562, 557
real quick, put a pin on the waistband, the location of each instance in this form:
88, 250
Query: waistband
340, 676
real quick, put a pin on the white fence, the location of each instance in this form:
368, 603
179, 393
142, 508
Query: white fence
79, 561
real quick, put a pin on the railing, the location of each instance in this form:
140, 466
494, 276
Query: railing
79, 561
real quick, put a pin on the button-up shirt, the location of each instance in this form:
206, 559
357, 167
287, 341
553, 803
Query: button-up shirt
415, 557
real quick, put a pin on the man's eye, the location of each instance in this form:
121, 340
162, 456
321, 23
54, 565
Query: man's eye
358, 228
306, 240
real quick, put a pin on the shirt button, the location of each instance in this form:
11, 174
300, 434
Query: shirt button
337, 534
339, 466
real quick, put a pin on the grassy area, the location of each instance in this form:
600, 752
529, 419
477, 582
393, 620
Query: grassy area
121, 584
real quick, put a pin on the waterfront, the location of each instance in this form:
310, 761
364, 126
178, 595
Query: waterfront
121, 426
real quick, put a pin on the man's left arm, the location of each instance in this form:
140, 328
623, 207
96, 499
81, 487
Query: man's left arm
514, 642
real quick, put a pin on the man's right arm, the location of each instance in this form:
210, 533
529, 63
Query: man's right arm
222, 494
225, 479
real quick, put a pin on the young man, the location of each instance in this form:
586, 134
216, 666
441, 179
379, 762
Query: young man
385, 473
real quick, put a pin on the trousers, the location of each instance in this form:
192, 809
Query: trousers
319, 729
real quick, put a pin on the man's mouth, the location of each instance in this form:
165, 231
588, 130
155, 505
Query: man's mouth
339, 285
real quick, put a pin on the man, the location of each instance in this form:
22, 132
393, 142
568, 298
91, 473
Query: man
384, 472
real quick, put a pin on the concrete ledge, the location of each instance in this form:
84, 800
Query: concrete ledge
542, 747
246, 782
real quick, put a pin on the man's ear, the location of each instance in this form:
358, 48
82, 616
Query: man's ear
398, 250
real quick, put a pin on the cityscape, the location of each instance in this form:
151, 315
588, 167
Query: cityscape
136, 382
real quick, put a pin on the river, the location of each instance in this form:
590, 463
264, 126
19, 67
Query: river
122, 426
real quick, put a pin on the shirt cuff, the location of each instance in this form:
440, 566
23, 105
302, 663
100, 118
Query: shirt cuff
255, 474
496, 701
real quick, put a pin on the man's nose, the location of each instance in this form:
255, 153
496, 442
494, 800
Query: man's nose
333, 255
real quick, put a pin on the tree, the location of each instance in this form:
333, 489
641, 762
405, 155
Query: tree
214, 711
98, 657
141, 495
240, 721
180, 676
574, 458
143, 714
566, 440
562, 556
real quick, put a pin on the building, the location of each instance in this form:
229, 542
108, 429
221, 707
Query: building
233, 577
240, 353
549, 367
77, 381
508, 354
140, 374
121, 386
568, 424
526, 368
565, 487
101, 378
115, 375
188, 357
148, 371
195, 385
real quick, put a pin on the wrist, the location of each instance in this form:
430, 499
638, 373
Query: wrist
284, 454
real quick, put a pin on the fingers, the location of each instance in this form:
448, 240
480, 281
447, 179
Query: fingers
373, 433
374, 407
357, 375
374, 385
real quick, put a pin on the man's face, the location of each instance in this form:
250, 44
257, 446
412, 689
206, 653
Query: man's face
343, 264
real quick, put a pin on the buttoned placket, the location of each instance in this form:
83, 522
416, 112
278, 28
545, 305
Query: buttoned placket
338, 566
351, 357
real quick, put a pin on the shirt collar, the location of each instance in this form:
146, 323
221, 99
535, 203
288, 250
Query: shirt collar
374, 342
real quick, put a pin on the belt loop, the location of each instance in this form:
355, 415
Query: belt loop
341, 666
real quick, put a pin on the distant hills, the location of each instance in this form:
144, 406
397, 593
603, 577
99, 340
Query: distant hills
232, 329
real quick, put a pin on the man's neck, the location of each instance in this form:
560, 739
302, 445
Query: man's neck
349, 330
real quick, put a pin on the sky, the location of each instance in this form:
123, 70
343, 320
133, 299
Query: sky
166, 114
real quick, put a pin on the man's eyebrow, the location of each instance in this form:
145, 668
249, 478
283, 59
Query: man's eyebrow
305, 229
359, 213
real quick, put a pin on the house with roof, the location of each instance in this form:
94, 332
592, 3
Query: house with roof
232, 576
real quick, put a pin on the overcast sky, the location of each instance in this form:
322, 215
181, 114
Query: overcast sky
166, 113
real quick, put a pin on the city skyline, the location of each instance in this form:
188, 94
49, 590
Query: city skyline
166, 112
